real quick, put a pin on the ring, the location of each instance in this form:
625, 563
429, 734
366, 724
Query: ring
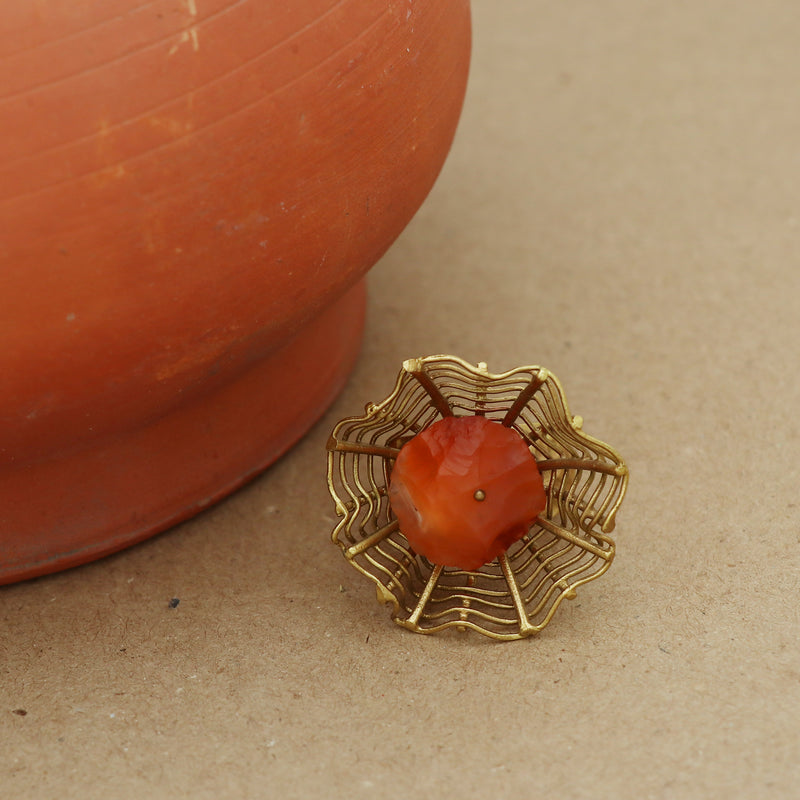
474, 500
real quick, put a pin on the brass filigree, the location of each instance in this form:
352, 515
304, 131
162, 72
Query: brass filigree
517, 594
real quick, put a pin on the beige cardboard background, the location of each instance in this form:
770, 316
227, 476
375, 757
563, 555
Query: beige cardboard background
621, 205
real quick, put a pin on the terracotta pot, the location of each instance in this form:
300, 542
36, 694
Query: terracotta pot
190, 194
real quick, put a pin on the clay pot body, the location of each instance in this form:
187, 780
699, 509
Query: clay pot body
190, 194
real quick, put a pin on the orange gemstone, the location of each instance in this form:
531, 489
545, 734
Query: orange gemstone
464, 490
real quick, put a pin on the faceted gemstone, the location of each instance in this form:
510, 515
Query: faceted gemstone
464, 490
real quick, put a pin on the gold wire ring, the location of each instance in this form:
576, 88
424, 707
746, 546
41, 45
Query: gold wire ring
515, 595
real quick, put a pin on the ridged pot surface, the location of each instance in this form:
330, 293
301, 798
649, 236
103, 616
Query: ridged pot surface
188, 192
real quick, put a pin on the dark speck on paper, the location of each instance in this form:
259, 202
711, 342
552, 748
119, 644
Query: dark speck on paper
174, 602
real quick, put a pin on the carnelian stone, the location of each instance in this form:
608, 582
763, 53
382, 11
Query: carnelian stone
464, 490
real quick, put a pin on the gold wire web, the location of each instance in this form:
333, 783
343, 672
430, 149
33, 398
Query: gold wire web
515, 595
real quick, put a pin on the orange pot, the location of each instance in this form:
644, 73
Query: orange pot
190, 194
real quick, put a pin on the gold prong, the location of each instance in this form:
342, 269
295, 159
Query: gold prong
414, 367
592, 464
525, 627
524, 396
373, 539
426, 595
362, 448
570, 537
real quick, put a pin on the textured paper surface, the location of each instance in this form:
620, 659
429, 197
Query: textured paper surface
621, 205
